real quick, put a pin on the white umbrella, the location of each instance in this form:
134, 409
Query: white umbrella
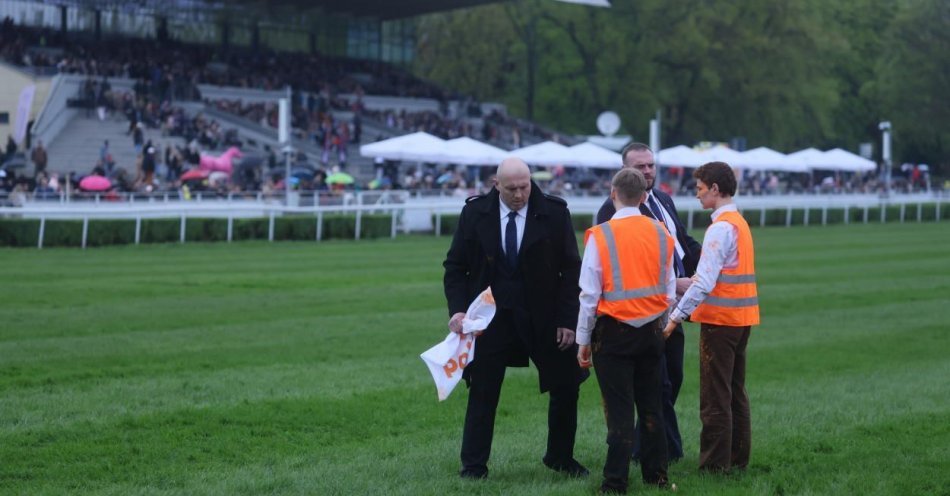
467, 151
813, 157
420, 147
680, 156
588, 154
838, 159
722, 154
767, 159
546, 153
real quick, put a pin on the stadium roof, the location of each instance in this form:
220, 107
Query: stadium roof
378, 9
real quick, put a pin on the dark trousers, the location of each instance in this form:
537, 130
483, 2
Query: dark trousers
486, 374
726, 438
671, 374
627, 363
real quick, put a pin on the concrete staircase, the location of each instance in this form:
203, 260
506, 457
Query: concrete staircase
77, 147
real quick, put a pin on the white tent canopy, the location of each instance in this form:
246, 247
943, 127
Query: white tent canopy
767, 159
545, 153
467, 151
843, 160
419, 147
590, 155
680, 156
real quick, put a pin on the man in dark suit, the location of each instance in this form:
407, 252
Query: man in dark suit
520, 242
658, 204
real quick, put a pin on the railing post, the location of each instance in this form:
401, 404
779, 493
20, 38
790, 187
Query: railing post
762, 218
319, 225
392, 228
181, 235
138, 228
359, 217
270, 227
438, 223
824, 215
807, 212
39, 240
85, 230
865, 214
846, 219
920, 212
883, 213
230, 227
788, 217
903, 208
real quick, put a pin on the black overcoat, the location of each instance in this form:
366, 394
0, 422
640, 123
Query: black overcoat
549, 263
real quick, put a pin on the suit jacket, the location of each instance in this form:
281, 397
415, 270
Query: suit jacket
549, 266
691, 247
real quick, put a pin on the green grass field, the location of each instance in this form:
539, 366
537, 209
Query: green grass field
292, 368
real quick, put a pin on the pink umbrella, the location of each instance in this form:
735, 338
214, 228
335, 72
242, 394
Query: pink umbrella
195, 174
95, 183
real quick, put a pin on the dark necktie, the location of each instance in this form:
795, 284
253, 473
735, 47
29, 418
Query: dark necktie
511, 240
658, 215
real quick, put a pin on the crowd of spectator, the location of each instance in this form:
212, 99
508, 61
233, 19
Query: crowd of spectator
174, 68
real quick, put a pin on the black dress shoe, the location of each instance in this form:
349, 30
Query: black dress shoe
572, 468
473, 473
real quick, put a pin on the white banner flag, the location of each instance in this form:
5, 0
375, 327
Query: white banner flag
448, 359
23, 113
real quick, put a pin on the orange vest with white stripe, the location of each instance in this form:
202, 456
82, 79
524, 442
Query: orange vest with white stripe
734, 301
636, 254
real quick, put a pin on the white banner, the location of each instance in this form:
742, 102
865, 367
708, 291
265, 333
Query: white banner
23, 113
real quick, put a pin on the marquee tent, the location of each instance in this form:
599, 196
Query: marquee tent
419, 147
590, 155
680, 156
546, 153
467, 151
767, 159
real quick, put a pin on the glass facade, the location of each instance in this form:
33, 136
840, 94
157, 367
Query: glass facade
330, 34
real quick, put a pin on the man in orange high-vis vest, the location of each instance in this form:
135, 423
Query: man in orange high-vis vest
724, 300
627, 284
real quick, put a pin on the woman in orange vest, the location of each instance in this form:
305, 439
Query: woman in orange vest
723, 299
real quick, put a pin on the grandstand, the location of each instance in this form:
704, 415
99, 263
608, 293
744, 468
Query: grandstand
182, 70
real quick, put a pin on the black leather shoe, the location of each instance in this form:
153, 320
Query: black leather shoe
573, 468
473, 473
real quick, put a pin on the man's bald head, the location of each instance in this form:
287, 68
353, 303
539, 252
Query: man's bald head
513, 182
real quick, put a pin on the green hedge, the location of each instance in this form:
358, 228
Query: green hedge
25, 232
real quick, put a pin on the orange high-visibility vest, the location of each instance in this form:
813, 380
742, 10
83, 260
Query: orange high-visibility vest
734, 301
635, 253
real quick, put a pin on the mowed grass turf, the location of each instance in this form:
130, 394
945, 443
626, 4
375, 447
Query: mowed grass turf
292, 368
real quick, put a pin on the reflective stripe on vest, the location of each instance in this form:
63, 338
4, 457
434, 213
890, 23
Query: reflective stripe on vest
646, 300
734, 300
617, 278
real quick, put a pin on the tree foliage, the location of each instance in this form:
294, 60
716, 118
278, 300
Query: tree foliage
782, 74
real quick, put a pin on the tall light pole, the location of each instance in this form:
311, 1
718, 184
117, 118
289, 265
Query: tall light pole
885, 127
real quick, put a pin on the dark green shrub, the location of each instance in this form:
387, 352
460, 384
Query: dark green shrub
449, 223
161, 230
19, 232
63, 233
110, 232
296, 228
582, 222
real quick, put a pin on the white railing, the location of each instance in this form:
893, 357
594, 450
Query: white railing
421, 214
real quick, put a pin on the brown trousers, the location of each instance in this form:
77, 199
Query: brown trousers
726, 438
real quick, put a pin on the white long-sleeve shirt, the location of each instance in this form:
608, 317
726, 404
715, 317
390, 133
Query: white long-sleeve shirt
720, 251
591, 283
